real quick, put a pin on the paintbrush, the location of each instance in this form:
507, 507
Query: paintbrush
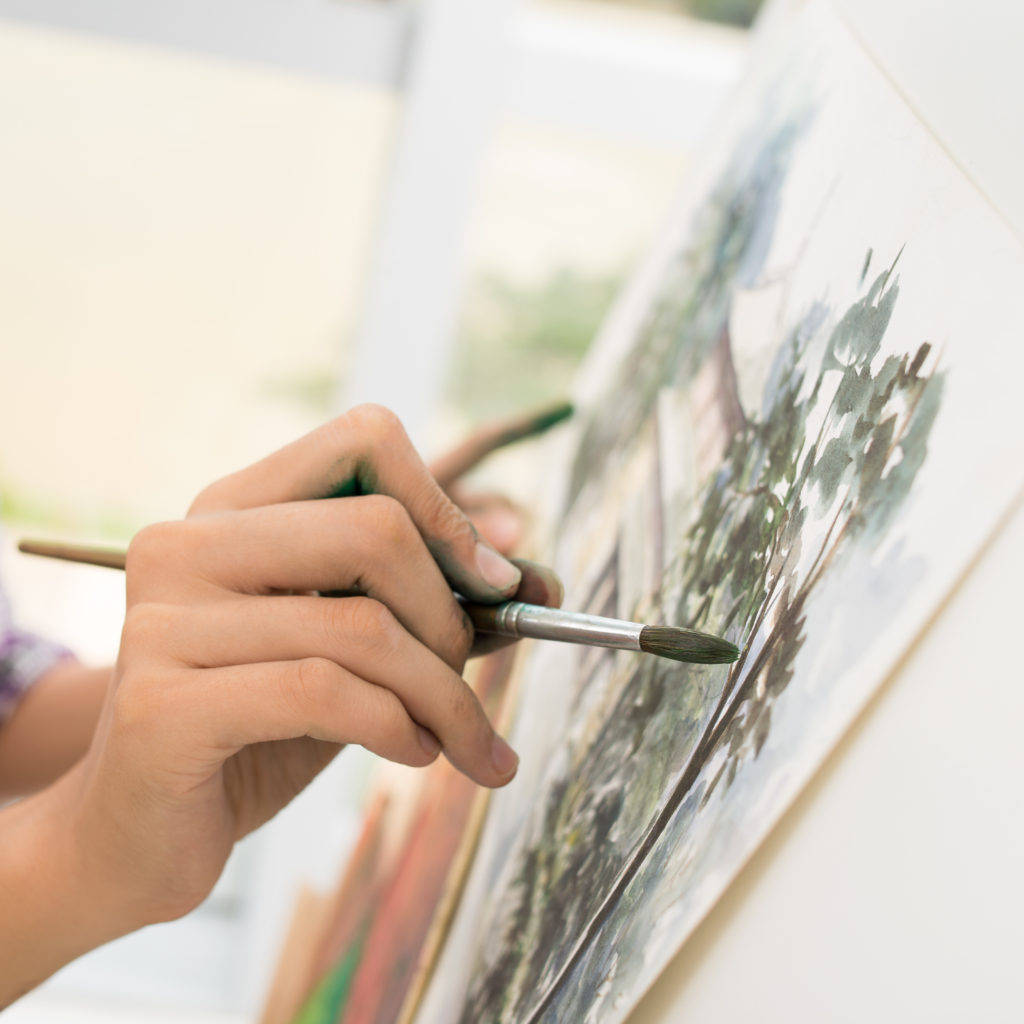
485, 440
514, 618
510, 618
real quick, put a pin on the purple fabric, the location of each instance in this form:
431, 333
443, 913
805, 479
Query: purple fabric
24, 657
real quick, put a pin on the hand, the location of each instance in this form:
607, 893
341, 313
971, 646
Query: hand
235, 685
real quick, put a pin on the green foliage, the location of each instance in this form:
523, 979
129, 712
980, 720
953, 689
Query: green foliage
747, 569
730, 12
688, 315
71, 519
656, 714
316, 389
519, 347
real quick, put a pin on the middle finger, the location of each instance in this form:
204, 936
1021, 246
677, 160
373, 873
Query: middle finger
365, 544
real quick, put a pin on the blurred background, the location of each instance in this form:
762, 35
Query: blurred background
222, 221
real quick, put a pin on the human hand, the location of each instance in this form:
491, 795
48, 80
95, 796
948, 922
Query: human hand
235, 684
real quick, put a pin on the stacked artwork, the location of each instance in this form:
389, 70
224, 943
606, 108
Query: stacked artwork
797, 429
372, 947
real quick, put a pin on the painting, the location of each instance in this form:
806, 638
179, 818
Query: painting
796, 430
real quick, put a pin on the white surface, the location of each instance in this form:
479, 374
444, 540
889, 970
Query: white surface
456, 76
654, 81
355, 40
892, 890
959, 66
61, 1010
460, 66
577, 65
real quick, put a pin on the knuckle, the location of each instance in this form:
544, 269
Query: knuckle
446, 519
144, 665
386, 709
463, 707
129, 706
389, 520
313, 682
147, 624
150, 546
376, 423
210, 499
393, 729
156, 550
366, 623
461, 635
141, 700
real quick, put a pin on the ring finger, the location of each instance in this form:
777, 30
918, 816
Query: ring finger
365, 639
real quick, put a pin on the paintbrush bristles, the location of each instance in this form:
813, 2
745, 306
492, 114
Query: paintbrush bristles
687, 645
513, 618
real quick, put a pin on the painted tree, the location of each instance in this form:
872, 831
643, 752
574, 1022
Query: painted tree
811, 479
730, 238
748, 568
569, 863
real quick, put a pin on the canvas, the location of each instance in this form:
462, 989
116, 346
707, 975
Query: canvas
797, 429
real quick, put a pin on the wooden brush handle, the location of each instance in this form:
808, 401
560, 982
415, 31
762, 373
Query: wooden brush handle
111, 558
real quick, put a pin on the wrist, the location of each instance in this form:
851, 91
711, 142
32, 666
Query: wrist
54, 910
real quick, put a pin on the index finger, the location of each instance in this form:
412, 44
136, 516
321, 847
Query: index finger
366, 451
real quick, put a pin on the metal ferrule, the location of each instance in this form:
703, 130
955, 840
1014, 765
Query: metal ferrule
517, 619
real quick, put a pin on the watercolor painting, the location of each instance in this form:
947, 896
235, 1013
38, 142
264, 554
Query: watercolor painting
791, 436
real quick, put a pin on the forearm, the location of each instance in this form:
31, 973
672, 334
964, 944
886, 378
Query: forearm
52, 909
51, 727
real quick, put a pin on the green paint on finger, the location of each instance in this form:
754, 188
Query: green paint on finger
350, 478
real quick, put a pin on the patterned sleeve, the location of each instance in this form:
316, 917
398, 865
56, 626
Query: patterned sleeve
24, 657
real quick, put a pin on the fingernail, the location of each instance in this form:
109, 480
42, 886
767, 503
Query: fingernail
554, 589
495, 570
503, 757
428, 741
